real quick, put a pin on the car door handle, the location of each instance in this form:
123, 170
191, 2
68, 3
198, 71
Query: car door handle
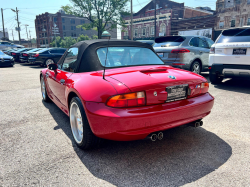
62, 81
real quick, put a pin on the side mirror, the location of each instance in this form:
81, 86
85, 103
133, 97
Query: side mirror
52, 66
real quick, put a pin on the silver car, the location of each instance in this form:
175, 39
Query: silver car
185, 52
5, 45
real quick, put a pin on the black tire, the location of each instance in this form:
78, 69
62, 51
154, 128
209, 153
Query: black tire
48, 61
194, 66
89, 140
44, 94
215, 79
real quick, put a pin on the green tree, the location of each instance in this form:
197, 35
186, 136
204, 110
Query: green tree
67, 42
102, 14
82, 37
94, 37
58, 41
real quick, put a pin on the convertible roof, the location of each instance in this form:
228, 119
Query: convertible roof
87, 59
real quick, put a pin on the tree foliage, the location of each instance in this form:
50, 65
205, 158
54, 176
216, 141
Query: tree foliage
102, 14
66, 42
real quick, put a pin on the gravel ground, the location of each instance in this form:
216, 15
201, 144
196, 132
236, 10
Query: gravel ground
36, 146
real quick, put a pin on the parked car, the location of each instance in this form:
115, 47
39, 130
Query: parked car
9, 45
150, 42
229, 56
46, 56
137, 96
185, 52
26, 54
8, 52
6, 60
16, 54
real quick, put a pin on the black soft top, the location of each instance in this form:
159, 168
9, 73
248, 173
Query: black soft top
87, 59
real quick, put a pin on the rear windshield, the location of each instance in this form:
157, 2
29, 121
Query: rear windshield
33, 50
234, 35
127, 56
169, 41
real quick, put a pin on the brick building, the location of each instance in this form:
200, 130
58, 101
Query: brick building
60, 24
232, 13
166, 11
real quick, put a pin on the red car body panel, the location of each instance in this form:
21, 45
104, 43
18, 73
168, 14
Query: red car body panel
136, 122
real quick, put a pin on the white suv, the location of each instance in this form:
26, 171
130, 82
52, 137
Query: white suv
230, 55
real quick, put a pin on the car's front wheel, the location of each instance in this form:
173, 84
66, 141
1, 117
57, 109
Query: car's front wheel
48, 61
82, 133
196, 67
215, 79
44, 91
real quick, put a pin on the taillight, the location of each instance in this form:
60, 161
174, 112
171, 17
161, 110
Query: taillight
127, 100
13, 53
36, 55
178, 64
204, 87
212, 50
180, 50
24, 54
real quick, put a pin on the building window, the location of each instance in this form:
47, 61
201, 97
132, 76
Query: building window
73, 34
81, 29
63, 20
73, 28
152, 30
135, 32
233, 23
237, 2
241, 22
82, 21
221, 24
63, 27
163, 29
248, 21
72, 21
55, 19
143, 31
64, 34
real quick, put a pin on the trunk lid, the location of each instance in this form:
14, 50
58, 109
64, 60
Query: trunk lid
153, 79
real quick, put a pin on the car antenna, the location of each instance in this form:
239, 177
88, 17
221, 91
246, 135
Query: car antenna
105, 61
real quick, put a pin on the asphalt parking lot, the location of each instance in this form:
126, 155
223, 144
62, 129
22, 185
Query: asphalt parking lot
36, 146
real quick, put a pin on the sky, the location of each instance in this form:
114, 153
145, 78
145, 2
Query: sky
28, 9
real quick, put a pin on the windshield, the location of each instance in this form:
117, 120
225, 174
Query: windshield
127, 56
1, 53
234, 35
168, 41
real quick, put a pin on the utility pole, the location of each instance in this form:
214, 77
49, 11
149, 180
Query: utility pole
12, 35
155, 19
30, 40
27, 31
131, 20
18, 27
3, 23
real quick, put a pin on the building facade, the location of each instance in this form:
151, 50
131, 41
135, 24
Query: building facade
48, 26
166, 11
232, 13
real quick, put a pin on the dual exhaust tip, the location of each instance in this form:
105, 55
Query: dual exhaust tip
154, 137
198, 123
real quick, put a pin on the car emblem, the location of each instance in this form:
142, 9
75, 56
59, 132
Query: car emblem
172, 77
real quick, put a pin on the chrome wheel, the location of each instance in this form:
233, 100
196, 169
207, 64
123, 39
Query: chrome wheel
76, 122
43, 89
196, 68
49, 61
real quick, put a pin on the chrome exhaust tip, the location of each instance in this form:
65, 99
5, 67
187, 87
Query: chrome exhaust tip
160, 136
153, 137
197, 124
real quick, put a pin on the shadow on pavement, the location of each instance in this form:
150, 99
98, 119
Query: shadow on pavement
235, 85
186, 154
34, 66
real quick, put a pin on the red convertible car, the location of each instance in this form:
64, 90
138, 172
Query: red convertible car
121, 90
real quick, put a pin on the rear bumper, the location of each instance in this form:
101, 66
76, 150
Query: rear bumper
230, 70
137, 123
23, 59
